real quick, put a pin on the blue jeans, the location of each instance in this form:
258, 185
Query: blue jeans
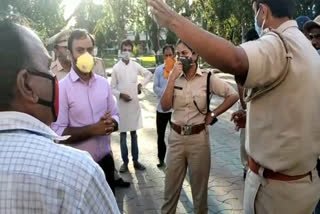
124, 148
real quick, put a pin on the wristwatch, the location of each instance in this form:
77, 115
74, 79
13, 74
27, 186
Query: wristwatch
212, 114
214, 118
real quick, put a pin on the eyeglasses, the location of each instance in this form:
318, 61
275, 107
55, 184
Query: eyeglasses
314, 36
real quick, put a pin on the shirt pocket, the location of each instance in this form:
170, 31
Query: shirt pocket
179, 98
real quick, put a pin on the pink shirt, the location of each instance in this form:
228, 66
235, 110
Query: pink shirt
83, 104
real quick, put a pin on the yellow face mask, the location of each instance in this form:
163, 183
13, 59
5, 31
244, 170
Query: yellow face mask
168, 66
85, 63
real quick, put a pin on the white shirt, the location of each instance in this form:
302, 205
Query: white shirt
124, 79
38, 176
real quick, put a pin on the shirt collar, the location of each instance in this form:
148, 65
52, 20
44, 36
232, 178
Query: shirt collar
12, 120
125, 63
75, 77
198, 72
288, 24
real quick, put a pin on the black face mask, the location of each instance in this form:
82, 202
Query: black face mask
186, 63
54, 103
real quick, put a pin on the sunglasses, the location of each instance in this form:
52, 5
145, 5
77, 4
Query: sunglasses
314, 36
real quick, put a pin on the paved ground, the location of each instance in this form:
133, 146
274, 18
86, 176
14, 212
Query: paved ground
146, 192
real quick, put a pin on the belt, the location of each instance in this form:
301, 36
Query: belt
187, 129
269, 174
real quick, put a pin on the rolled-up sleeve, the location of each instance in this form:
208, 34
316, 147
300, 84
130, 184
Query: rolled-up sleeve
63, 118
267, 59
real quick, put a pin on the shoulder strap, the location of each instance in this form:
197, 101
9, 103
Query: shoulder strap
208, 91
250, 94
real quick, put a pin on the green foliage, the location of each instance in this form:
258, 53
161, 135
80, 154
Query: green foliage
44, 16
111, 21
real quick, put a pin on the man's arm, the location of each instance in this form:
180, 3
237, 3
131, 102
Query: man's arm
114, 83
113, 109
147, 75
78, 134
156, 82
222, 89
114, 87
222, 54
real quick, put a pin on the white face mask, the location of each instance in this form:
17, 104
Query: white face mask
126, 55
256, 25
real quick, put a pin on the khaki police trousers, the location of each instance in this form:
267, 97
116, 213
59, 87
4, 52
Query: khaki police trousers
266, 196
187, 152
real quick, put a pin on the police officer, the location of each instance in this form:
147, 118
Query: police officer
62, 65
188, 143
280, 72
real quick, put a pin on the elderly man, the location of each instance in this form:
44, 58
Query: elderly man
38, 175
280, 73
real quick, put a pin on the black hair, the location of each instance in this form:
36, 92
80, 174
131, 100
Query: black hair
126, 42
167, 46
14, 56
185, 44
251, 35
279, 8
77, 35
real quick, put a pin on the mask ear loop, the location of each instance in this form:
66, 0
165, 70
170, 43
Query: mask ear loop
264, 21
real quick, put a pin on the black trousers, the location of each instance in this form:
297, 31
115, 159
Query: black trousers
162, 120
107, 165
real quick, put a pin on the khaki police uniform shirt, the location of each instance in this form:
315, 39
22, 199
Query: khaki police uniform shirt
283, 128
99, 67
185, 92
58, 70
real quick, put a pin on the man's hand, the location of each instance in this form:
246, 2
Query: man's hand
162, 12
239, 118
125, 97
139, 88
105, 126
110, 123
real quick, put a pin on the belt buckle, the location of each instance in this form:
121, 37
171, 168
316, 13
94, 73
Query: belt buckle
187, 130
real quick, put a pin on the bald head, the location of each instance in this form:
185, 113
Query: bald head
22, 54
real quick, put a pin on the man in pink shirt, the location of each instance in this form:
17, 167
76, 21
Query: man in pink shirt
87, 108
